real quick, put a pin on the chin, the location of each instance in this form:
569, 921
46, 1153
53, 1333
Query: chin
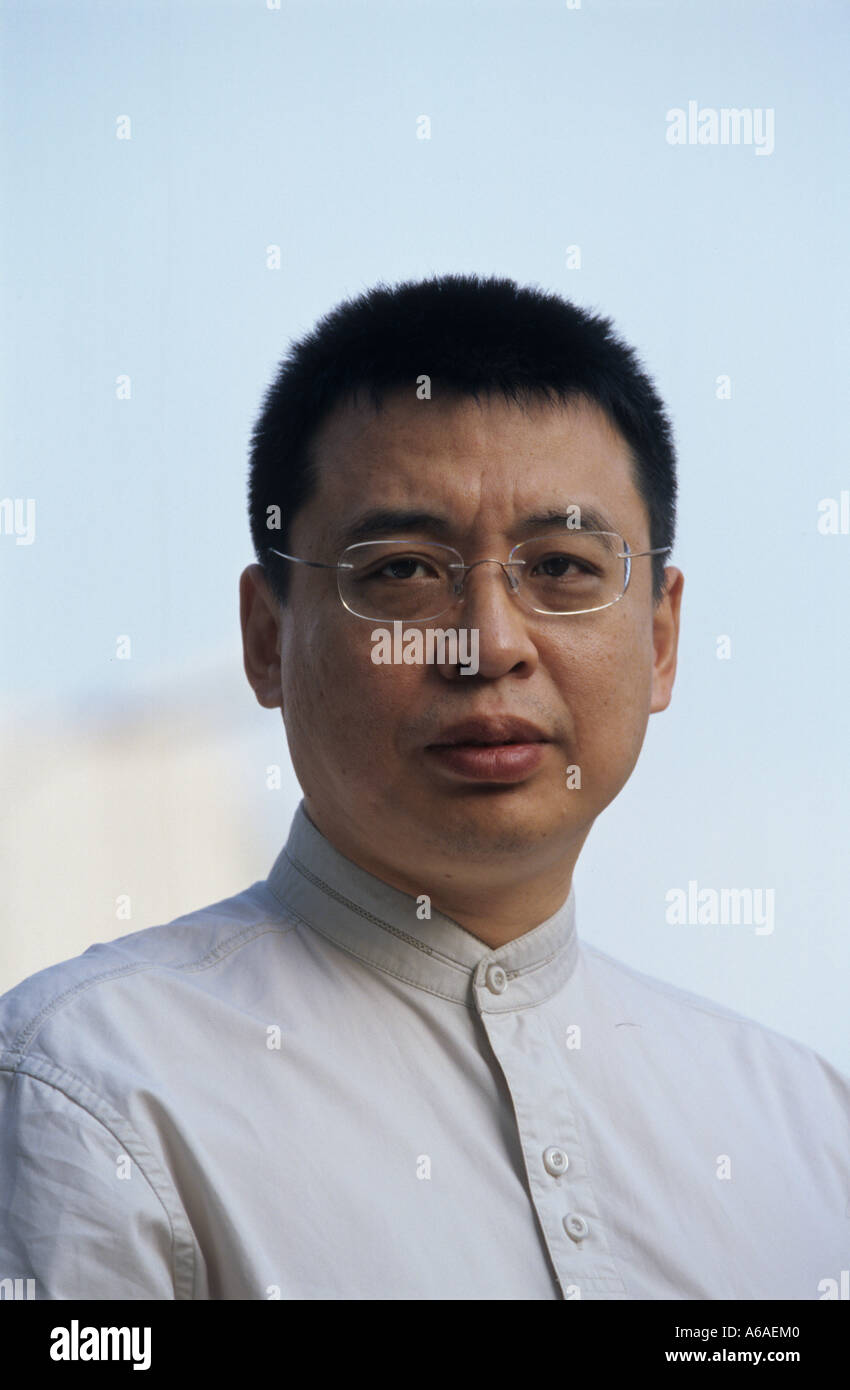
486, 821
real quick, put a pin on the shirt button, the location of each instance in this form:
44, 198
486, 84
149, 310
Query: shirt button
575, 1226
555, 1161
497, 980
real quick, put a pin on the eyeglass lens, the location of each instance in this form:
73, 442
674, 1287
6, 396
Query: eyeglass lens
573, 571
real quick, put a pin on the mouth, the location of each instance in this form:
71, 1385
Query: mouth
496, 732
497, 749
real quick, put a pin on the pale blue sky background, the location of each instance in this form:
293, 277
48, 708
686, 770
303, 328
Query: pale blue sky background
297, 127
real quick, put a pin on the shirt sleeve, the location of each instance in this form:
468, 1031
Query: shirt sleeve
79, 1216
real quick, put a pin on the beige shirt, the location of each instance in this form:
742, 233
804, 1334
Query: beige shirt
313, 1091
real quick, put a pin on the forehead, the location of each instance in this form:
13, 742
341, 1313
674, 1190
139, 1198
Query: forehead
482, 463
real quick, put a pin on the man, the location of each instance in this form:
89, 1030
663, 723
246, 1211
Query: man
391, 1071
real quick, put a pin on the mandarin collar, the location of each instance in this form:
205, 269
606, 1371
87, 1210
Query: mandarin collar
378, 924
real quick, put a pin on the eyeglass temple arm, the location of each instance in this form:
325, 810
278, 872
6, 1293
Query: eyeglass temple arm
314, 564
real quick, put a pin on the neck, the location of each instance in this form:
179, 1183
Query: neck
494, 902
498, 913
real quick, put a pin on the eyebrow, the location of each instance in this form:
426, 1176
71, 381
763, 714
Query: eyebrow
388, 521
591, 519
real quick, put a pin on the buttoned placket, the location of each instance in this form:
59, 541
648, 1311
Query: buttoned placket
521, 1035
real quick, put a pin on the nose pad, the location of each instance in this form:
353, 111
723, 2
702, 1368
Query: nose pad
507, 571
513, 579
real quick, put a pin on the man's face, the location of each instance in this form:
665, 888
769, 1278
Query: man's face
364, 738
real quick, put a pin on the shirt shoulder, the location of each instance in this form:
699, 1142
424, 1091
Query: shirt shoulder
184, 951
695, 1022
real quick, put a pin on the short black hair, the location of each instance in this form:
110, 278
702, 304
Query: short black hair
471, 335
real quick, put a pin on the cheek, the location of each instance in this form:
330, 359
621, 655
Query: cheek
335, 696
606, 685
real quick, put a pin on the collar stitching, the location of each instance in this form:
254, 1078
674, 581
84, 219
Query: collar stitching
367, 960
370, 916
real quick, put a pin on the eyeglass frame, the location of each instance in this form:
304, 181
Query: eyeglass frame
513, 583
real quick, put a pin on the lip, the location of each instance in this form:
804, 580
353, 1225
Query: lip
500, 748
489, 729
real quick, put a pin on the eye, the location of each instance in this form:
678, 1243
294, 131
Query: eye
399, 569
557, 566
404, 567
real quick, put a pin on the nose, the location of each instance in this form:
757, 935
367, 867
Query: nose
488, 605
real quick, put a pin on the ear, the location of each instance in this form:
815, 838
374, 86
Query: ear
665, 639
259, 613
